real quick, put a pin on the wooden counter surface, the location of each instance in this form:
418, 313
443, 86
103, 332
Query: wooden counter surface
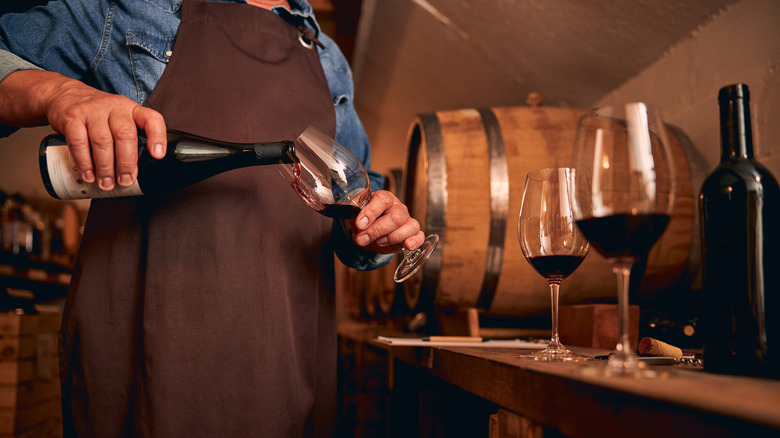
683, 401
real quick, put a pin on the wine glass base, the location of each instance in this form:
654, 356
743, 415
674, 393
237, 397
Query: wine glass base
628, 366
413, 260
556, 353
625, 365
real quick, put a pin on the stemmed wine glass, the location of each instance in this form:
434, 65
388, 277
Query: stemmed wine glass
625, 154
332, 181
551, 242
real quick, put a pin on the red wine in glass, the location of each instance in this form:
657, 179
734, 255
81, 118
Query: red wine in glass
624, 235
551, 242
556, 267
624, 152
338, 211
333, 182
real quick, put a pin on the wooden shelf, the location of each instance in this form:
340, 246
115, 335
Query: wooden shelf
45, 280
570, 399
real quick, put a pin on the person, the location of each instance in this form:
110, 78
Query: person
208, 311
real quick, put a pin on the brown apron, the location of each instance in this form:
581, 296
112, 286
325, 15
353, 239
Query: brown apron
210, 311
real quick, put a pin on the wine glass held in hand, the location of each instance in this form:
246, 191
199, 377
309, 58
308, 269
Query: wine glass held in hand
551, 242
332, 181
624, 153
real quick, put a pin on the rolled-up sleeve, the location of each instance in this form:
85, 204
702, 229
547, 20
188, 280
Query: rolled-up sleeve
351, 134
351, 255
10, 63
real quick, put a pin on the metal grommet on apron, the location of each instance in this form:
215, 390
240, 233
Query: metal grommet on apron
221, 294
304, 42
306, 37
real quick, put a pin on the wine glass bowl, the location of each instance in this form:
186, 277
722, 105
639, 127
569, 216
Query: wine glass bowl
551, 242
327, 177
331, 180
625, 154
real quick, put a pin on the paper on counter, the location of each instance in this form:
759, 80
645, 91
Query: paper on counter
493, 343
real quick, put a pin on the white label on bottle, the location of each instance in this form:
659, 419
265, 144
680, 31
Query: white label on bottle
67, 183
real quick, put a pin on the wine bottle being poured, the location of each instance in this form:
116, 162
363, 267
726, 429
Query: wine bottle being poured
188, 160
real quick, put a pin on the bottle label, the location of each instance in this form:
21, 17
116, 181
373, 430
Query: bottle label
67, 183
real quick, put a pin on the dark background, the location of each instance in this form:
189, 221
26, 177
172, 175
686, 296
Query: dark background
19, 5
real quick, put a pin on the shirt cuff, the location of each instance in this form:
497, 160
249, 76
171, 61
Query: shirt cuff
353, 256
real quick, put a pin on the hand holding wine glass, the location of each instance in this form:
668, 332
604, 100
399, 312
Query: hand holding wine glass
551, 242
625, 153
332, 181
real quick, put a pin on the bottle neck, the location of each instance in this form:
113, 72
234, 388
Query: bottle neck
735, 128
190, 148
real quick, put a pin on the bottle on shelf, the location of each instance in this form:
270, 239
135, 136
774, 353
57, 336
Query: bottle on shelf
740, 212
189, 159
17, 233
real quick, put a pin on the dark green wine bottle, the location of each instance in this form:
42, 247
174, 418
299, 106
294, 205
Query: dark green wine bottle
740, 214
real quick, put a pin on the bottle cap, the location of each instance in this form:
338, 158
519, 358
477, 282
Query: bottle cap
734, 91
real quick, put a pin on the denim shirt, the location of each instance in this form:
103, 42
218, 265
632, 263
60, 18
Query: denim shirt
123, 46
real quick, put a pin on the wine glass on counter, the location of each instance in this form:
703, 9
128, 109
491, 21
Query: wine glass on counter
625, 154
331, 180
551, 242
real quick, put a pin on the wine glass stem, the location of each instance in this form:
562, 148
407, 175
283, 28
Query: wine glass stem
623, 272
554, 292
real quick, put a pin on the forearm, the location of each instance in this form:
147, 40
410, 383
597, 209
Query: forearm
24, 95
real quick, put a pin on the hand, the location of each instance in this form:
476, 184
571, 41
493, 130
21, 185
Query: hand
102, 131
101, 128
384, 225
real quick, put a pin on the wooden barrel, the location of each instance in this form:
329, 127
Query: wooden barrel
465, 174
